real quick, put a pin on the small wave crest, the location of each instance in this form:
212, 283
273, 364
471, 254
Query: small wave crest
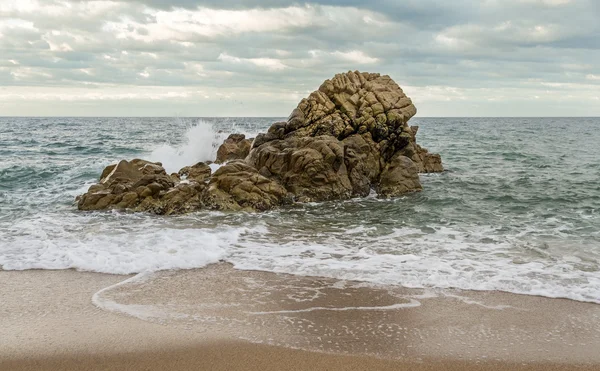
114, 243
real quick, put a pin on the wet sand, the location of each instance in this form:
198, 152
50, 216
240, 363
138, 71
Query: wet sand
243, 356
198, 319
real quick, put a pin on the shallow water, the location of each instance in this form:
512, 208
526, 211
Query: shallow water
518, 208
357, 318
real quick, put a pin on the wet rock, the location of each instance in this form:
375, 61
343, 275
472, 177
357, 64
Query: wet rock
199, 172
363, 162
126, 185
399, 176
426, 162
235, 147
312, 169
346, 138
183, 198
338, 141
238, 186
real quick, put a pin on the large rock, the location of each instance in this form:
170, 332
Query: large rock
235, 147
312, 169
399, 176
238, 186
426, 162
125, 185
353, 103
144, 186
345, 139
339, 140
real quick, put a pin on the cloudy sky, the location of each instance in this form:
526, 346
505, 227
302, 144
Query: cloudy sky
259, 58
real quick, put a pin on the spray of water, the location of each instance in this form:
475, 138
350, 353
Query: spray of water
200, 144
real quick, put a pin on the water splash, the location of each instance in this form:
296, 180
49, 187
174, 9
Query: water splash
201, 142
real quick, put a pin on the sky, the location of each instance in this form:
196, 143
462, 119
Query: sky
260, 58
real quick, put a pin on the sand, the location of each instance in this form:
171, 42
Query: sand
197, 319
240, 356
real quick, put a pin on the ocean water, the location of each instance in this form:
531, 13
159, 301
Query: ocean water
517, 210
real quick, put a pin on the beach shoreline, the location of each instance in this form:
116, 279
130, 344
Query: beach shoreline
48, 322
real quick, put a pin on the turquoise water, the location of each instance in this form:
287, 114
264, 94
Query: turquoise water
518, 208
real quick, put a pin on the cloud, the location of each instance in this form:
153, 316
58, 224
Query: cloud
272, 53
184, 25
506, 34
267, 63
16, 25
550, 3
355, 56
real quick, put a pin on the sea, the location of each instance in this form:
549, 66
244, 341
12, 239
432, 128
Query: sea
517, 209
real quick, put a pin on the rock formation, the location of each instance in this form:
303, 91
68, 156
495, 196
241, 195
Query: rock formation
346, 138
239, 186
235, 147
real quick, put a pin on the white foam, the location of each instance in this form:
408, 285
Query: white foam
123, 243
143, 312
438, 261
411, 304
214, 167
119, 244
200, 144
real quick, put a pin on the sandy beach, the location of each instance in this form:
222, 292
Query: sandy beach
218, 318
407, 185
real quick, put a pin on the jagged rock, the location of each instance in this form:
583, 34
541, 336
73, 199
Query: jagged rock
183, 198
126, 185
235, 147
238, 186
363, 162
399, 176
353, 103
362, 118
432, 162
346, 138
115, 180
199, 172
312, 169
426, 162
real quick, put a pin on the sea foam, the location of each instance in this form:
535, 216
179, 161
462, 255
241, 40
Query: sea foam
200, 144
118, 244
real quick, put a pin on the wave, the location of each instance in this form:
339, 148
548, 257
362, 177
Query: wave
200, 143
474, 258
114, 243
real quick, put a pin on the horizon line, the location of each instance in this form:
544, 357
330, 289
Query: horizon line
279, 117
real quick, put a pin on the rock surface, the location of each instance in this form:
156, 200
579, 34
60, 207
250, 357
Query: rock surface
399, 176
311, 168
343, 140
235, 147
426, 162
238, 186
